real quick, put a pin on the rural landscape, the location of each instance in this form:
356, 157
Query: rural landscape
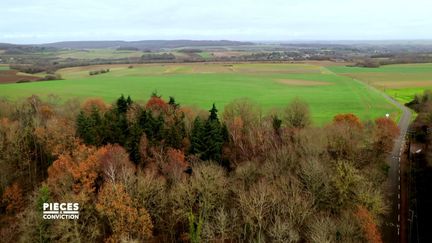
204, 126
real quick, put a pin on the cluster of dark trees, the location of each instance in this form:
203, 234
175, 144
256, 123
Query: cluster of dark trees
127, 48
32, 69
158, 57
420, 169
190, 50
101, 71
161, 172
368, 63
99, 127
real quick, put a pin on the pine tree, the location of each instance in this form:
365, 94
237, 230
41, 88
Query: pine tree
122, 105
96, 127
213, 114
176, 132
213, 140
133, 142
207, 138
173, 103
129, 101
197, 136
83, 128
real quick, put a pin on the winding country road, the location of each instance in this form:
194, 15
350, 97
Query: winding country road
391, 229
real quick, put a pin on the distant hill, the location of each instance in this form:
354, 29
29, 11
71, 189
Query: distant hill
144, 45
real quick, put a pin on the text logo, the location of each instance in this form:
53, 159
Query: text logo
60, 211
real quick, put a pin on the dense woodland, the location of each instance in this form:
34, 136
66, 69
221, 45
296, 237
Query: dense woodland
156, 171
421, 167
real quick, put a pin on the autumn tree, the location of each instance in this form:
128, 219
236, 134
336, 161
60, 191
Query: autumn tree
345, 137
115, 164
345, 185
89, 105
76, 173
370, 229
175, 164
297, 114
126, 221
13, 199
157, 104
386, 130
349, 119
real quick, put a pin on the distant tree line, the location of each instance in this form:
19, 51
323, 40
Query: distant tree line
157, 57
127, 48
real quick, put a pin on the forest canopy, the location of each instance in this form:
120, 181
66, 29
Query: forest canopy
158, 171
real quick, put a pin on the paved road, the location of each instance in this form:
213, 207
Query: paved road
392, 226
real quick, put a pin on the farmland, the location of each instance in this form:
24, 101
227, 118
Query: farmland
269, 85
399, 81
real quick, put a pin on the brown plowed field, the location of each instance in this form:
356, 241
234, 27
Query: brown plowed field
13, 76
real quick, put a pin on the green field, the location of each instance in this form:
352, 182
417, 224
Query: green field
270, 85
401, 81
4, 67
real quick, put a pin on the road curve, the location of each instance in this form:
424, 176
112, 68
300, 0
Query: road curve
391, 229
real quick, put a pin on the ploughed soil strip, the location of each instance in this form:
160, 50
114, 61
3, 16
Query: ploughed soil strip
12, 76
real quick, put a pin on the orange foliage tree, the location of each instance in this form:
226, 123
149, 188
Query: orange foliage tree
349, 119
344, 136
91, 104
386, 130
170, 162
13, 198
157, 104
77, 172
370, 229
126, 220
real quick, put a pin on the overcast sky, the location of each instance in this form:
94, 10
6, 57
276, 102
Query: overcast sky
39, 21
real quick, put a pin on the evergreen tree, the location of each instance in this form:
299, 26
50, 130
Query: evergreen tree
207, 138
84, 128
133, 143
129, 101
213, 140
176, 132
197, 136
122, 105
173, 103
96, 127
213, 114
153, 127
115, 127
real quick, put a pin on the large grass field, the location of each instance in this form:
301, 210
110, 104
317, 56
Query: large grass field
400, 81
270, 85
